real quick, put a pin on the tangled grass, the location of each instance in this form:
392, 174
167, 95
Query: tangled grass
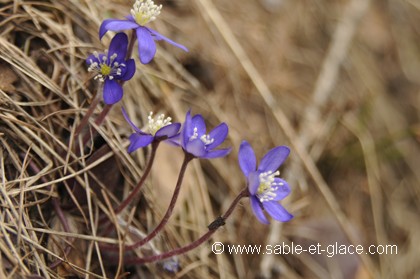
337, 82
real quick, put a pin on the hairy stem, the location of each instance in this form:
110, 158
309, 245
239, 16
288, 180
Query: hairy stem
146, 172
93, 105
165, 218
131, 45
213, 227
98, 121
133, 193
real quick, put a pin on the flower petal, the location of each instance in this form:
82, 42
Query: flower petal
113, 92
102, 28
217, 153
130, 69
169, 130
146, 45
277, 211
246, 158
258, 212
116, 25
219, 135
186, 130
253, 182
138, 141
274, 158
131, 122
92, 59
196, 147
118, 45
159, 36
283, 189
198, 122
175, 140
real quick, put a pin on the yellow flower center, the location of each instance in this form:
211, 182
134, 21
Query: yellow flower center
144, 11
267, 189
155, 124
105, 69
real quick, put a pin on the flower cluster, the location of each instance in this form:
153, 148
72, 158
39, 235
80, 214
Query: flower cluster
264, 187
142, 13
113, 68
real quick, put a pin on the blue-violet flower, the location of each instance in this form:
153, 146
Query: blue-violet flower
143, 11
111, 67
194, 140
264, 187
171, 265
158, 129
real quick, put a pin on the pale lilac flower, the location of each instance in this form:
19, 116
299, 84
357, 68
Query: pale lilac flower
264, 187
143, 11
171, 265
194, 140
158, 129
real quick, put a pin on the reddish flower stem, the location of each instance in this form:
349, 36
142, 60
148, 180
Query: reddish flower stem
131, 45
93, 105
134, 192
243, 194
146, 172
213, 227
165, 218
98, 121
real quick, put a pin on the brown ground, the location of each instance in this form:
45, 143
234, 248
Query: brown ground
337, 81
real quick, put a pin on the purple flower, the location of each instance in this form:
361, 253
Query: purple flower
111, 67
171, 265
194, 140
264, 187
158, 129
143, 11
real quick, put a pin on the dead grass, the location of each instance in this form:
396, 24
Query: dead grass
338, 82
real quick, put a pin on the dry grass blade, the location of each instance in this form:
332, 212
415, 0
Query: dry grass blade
286, 125
334, 80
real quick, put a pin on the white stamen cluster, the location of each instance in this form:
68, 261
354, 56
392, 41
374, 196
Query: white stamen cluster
206, 139
267, 189
195, 134
155, 124
104, 68
144, 11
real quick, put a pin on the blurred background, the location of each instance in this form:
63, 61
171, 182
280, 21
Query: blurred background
336, 81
